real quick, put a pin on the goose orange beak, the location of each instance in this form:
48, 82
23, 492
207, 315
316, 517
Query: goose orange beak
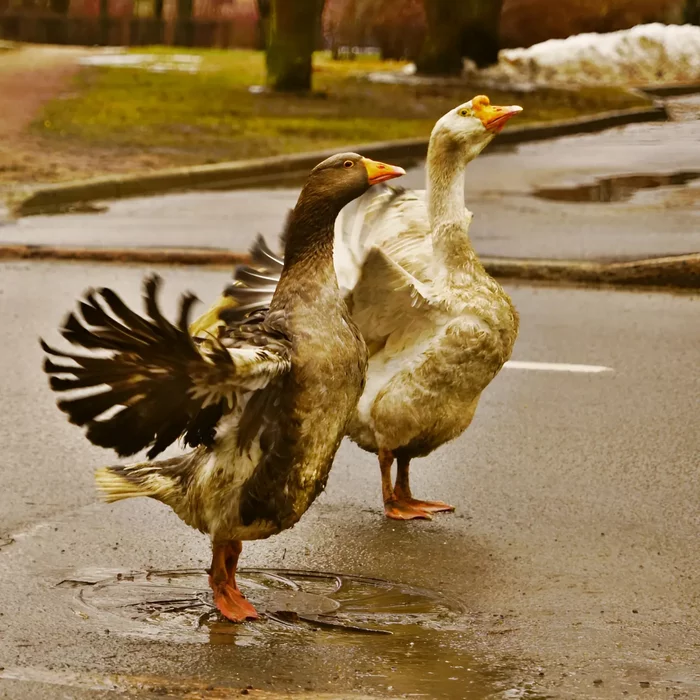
379, 172
493, 118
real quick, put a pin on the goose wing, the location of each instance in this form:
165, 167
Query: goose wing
386, 298
148, 382
391, 218
252, 290
386, 219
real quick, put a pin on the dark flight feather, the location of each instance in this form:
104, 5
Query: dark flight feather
163, 385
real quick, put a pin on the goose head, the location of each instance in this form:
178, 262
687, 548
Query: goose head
330, 186
465, 131
345, 176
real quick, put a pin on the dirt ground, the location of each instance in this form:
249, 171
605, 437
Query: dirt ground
23, 155
46, 68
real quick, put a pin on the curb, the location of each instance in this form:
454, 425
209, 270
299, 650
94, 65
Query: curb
581, 125
671, 90
151, 256
672, 272
290, 168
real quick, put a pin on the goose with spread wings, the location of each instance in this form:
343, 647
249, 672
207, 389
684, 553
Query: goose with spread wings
264, 401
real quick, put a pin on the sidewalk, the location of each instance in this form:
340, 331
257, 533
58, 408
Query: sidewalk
509, 220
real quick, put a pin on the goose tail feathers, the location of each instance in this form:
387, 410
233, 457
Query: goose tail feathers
157, 480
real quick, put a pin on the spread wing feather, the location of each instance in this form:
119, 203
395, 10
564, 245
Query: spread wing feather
153, 383
386, 298
382, 254
399, 225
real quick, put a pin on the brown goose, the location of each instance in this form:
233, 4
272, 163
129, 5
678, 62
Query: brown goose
265, 402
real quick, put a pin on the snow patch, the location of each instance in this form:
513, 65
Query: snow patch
643, 55
182, 63
648, 54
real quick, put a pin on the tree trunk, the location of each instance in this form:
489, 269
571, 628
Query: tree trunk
158, 9
60, 7
480, 37
184, 27
293, 33
263, 23
457, 29
104, 22
692, 12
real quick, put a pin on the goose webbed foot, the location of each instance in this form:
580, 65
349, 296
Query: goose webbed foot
231, 603
398, 509
399, 503
229, 600
426, 506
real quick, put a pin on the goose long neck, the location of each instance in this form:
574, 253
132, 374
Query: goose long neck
445, 183
449, 218
308, 252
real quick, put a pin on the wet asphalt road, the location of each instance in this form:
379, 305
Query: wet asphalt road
500, 187
572, 555
570, 568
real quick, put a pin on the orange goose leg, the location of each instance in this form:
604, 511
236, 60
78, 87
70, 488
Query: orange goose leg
395, 507
402, 490
228, 599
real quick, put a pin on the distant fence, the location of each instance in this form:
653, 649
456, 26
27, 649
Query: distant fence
128, 31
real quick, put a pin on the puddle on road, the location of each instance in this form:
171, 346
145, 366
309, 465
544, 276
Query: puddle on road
621, 188
335, 631
177, 603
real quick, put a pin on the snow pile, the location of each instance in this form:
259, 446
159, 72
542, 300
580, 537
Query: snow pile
156, 63
644, 55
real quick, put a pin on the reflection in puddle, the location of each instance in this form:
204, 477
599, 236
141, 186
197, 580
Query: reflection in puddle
342, 632
615, 189
179, 601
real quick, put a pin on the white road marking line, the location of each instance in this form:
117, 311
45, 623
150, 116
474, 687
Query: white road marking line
557, 367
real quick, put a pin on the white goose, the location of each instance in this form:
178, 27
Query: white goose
439, 328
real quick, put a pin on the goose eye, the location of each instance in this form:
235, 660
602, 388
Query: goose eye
348, 164
463, 112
